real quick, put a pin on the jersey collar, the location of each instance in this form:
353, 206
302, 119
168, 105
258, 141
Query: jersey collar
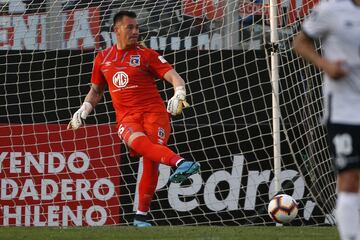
126, 49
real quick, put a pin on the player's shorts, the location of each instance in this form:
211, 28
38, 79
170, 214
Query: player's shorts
344, 142
155, 125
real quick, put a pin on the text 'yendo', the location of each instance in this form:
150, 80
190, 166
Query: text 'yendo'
51, 184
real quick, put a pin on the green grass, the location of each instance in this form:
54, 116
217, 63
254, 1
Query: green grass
174, 233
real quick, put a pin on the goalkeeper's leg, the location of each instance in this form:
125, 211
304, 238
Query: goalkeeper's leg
146, 134
147, 187
141, 143
158, 153
147, 184
150, 174
150, 145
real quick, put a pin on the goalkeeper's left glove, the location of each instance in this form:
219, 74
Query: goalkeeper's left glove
178, 101
80, 115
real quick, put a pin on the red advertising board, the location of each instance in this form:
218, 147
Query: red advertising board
82, 28
215, 10
51, 176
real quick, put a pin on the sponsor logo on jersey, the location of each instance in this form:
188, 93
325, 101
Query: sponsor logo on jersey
162, 59
134, 60
120, 79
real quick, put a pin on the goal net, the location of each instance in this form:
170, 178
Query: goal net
51, 176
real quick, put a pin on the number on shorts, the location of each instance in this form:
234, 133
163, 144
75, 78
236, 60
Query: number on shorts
343, 144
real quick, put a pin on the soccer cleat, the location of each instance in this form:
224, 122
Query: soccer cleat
140, 221
184, 171
141, 224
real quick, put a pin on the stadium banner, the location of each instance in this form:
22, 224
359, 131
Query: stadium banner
51, 176
189, 25
80, 28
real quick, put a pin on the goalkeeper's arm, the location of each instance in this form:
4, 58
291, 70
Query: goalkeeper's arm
178, 101
91, 100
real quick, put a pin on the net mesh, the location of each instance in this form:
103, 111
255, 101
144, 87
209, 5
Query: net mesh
54, 177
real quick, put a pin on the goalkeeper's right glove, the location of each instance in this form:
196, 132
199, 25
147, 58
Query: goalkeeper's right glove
80, 115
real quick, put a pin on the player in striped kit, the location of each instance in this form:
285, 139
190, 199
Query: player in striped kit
129, 70
337, 24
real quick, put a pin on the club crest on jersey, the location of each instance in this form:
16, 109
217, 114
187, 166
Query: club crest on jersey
161, 133
134, 60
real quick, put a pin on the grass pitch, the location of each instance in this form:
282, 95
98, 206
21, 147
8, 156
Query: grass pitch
173, 233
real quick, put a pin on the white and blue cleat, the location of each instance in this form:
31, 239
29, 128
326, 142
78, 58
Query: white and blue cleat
184, 171
141, 224
140, 221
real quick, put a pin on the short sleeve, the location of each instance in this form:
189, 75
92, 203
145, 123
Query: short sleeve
97, 77
158, 65
318, 23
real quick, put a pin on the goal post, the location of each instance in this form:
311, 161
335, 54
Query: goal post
275, 93
252, 101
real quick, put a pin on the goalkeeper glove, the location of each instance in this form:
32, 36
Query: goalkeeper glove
177, 102
80, 115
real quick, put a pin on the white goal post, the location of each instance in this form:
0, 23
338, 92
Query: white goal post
253, 124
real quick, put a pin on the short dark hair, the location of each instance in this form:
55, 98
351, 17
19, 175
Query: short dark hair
119, 16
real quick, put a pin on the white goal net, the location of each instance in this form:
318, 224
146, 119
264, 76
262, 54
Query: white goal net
51, 176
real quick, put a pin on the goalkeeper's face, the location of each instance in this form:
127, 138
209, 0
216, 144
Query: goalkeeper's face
127, 31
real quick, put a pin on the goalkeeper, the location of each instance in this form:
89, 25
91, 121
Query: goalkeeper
129, 70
